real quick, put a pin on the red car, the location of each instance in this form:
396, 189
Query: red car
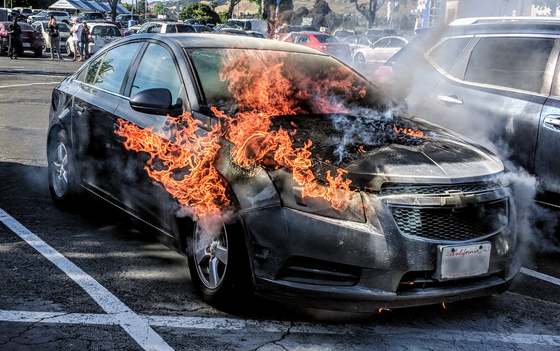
31, 39
323, 42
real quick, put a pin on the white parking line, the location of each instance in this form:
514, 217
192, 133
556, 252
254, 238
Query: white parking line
26, 84
135, 326
540, 276
255, 326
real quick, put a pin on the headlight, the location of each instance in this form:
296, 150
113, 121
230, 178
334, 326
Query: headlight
290, 196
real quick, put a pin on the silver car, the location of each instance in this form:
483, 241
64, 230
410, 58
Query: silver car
101, 34
379, 52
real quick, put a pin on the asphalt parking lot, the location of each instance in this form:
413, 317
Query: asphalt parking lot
88, 279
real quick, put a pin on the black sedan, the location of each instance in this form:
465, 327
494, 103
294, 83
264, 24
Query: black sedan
277, 169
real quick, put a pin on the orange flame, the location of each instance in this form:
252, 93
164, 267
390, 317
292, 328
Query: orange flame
262, 90
411, 132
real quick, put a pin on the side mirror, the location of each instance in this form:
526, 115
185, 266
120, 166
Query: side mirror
156, 101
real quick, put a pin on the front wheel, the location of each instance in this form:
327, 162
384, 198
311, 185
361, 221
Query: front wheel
62, 173
218, 263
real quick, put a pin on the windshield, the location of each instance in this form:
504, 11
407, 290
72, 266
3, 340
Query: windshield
298, 83
327, 39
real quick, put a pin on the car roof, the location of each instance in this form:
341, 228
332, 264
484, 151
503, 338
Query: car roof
514, 25
220, 41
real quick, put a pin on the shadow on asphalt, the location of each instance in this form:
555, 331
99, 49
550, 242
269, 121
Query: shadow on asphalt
24, 188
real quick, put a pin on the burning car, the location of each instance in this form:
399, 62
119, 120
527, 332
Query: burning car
277, 168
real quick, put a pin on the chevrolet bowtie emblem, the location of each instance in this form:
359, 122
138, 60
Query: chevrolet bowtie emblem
456, 198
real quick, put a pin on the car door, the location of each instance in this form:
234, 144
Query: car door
495, 93
547, 162
93, 124
157, 68
377, 51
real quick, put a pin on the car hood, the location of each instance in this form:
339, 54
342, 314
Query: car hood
377, 151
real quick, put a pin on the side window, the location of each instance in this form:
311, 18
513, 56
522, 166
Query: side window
383, 43
447, 52
170, 29
301, 39
157, 70
108, 72
517, 63
155, 28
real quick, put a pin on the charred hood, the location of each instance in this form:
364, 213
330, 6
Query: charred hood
400, 149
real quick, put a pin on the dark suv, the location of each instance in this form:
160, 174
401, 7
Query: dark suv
494, 80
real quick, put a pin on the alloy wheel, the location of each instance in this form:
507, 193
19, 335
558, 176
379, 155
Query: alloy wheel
211, 257
60, 170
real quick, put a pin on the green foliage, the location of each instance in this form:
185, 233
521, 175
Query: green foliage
141, 6
223, 16
552, 4
127, 6
158, 8
321, 7
199, 11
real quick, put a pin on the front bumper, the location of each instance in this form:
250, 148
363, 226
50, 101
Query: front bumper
334, 264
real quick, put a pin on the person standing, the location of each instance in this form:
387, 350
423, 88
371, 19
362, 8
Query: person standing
54, 37
14, 39
85, 41
76, 39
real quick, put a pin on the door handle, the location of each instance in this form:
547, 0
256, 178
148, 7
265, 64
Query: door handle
552, 121
449, 100
80, 108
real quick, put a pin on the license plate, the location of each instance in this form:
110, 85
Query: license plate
463, 261
26, 45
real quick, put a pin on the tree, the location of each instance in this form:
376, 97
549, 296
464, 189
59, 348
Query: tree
127, 6
199, 11
113, 5
158, 8
141, 6
231, 9
553, 5
369, 9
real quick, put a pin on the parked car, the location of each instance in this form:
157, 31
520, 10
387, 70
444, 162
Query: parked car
122, 20
166, 27
491, 79
357, 42
23, 13
100, 35
89, 16
379, 52
343, 33
282, 31
322, 42
31, 39
60, 16
248, 25
423, 216
42, 27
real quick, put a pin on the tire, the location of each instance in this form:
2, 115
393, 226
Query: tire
359, 59
38, 52
62, 172
219, 264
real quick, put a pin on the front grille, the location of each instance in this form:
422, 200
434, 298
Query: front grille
406, 189
450, 223
319, 272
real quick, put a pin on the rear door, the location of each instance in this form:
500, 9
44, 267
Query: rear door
93, 124
495, 92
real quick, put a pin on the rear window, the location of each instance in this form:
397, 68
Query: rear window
179, 28
105, 31
327, 39
517, 63
447, 52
